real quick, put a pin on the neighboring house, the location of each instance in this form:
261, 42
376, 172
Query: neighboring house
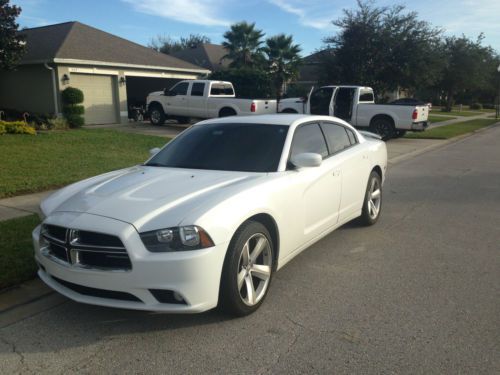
207, 55
112, 72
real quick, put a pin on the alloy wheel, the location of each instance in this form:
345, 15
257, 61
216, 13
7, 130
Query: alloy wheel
374, 199
254, 269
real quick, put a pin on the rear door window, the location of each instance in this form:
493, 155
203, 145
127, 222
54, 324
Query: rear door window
336, 136
198, 89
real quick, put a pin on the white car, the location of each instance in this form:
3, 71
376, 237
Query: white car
210, 217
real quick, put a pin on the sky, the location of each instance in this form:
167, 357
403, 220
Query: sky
309, 21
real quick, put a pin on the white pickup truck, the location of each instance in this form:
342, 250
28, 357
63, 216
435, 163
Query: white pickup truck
203, 99
356, 105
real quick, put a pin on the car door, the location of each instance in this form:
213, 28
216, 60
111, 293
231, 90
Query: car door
354, 166
197, 100
320, 185
320, 101
177, 102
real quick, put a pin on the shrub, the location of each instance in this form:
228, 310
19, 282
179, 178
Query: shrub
248, 83
75, 121
72, 95
72, 110
2, 129
58, 124
489, 106
17, 127
476, 106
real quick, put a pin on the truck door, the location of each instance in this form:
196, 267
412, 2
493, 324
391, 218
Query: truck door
344, 102
177, 100
197, 100
320, 101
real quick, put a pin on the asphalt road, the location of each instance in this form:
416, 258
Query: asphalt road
419, 292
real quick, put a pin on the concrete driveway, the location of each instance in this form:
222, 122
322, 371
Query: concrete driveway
419, 292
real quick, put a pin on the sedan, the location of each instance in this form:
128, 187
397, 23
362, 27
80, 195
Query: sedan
210, 217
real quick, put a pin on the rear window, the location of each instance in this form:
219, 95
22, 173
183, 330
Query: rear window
336, 136
197, 89
366, 96
221, 89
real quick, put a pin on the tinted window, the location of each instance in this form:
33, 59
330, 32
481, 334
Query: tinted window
366, 96
309, 138
351, 136
181, 88
228, 147
221, 89
320, 101
197, 89
336, 137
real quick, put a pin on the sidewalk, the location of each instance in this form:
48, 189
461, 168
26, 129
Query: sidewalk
22, 205
457, 119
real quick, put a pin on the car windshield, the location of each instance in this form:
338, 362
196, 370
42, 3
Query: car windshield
228, 147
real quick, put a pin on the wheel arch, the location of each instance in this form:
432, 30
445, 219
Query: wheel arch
383, 116
289, 110
155, 104
227, 108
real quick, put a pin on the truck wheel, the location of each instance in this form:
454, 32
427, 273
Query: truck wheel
400, 133
383, 127
226, 112
156, 115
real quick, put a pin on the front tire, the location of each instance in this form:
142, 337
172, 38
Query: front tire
247, 270
372, 204
157, 115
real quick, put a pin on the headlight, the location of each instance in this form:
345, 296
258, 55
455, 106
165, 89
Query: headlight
190, 237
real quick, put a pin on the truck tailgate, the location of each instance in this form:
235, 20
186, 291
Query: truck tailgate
422, 113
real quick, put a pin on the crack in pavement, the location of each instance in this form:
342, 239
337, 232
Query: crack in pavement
15, 351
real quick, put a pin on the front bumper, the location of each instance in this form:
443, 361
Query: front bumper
194, 275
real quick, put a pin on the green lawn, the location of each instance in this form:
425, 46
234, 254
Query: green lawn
433, 118
457, 113
453, 130
16, 251
53, 159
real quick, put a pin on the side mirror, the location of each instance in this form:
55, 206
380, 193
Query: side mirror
154, 151
307, 159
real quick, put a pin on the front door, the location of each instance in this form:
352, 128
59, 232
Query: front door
177, 101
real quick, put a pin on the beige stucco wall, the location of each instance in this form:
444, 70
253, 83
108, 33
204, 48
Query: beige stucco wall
28, 88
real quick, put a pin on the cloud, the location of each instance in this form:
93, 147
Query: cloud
198, 12
315, 14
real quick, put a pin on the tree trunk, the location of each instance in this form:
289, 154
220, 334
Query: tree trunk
449, 101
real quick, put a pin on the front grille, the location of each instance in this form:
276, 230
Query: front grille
84, 249
94, 292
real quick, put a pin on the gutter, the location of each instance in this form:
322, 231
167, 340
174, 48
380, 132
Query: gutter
54, 87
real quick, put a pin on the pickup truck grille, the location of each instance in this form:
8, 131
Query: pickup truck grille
84, 249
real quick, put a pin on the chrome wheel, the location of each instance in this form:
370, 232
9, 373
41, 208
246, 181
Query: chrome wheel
374, 198
254, 269
155, 116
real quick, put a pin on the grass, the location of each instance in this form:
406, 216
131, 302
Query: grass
455, 112
16, 251
453, 130
435, 119
54, 159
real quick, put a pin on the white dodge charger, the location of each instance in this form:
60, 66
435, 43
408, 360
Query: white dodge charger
210, 217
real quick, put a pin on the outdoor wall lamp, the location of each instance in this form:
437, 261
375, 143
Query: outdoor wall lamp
65, 79
122, 81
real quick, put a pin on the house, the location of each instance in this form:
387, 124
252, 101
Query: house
112, 72
207, 55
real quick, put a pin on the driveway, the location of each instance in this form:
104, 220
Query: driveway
419, 292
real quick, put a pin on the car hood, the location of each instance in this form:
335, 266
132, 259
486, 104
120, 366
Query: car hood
140, 194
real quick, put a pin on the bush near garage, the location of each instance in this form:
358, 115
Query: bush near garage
16, 127
72, 108
489, 106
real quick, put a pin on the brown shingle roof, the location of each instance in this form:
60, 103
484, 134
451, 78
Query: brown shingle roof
74, 40
207, 55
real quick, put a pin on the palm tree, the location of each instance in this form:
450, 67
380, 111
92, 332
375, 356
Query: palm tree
243, 43
283, 60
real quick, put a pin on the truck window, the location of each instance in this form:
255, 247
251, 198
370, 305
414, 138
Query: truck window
309, 138
181, 88
366, 96
198, 89
221, 89
336, 137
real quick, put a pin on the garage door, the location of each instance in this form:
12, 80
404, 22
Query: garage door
99, 97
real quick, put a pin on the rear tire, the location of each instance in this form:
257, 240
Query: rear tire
400, 133
247, 271
156, 115
372, 204
383, 127
226, 112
